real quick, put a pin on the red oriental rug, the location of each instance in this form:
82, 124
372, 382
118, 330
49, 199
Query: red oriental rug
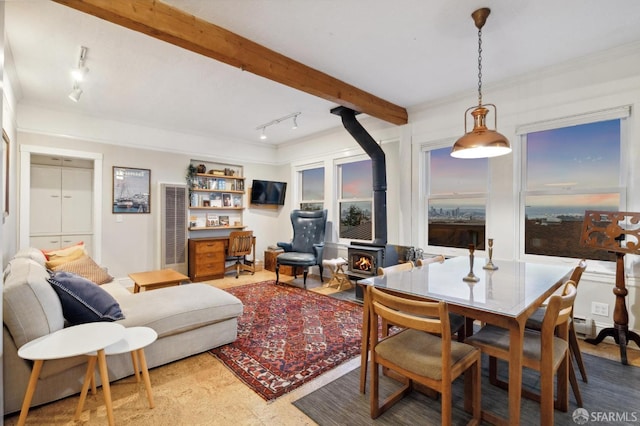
288, 336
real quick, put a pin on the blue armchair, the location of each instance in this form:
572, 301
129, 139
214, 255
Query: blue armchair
307, 245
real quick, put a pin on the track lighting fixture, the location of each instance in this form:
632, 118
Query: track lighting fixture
75, 93
78, 75
263, 127
81, 70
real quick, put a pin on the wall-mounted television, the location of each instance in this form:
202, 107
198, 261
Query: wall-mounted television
268, 192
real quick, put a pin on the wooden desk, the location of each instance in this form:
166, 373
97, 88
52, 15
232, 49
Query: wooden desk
207, 257
505, 297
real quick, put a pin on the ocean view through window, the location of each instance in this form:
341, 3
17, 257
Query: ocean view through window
569, 170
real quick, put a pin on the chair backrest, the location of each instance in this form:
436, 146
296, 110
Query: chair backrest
558, 310
240, 243
428, 260
406, 266
577, 272
308, 229
430, 317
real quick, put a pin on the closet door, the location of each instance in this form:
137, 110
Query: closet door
46, 200
77, 201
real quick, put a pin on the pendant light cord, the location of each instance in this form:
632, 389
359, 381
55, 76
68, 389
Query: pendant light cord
480, 67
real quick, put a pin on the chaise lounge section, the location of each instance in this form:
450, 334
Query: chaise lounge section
189, 319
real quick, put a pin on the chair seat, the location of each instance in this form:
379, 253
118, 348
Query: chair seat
421, 352
493, 336
534, 322
295, 258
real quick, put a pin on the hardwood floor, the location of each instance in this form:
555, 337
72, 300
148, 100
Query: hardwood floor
200, 390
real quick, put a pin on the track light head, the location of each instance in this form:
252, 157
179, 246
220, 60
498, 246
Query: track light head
263, 136
75, 93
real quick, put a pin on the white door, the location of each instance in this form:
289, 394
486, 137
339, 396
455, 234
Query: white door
45, 200
77, 201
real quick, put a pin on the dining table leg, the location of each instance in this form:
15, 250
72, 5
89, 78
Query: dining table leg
364, 354
515, 371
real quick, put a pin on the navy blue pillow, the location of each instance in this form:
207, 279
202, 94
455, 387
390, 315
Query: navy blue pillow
82, 300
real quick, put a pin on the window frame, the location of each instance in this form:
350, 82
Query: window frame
338, 163
619, 113
427, 197
299, 181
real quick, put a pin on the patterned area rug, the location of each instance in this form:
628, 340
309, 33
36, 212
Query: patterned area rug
288, 336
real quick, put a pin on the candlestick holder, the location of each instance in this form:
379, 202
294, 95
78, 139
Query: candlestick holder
470, 276
490, 266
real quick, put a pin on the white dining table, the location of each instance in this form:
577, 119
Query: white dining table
505, 297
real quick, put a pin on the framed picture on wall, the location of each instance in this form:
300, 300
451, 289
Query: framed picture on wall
131, 190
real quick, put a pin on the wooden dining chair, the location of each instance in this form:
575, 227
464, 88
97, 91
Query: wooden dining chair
535, 323
241, 244
458, 322
546, 351
422, 352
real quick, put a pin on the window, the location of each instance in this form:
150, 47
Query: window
355, 185
456, 201
569, 170
312, 189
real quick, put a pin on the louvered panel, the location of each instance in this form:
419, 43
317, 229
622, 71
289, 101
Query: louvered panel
174, 227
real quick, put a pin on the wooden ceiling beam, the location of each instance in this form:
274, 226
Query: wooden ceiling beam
174, 26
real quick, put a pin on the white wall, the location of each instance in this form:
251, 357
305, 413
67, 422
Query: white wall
133, 244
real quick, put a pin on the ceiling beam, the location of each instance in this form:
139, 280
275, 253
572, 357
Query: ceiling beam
174, 26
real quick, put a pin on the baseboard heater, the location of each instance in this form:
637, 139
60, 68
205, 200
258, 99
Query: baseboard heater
585, 327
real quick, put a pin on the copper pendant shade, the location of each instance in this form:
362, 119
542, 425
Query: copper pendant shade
481, 142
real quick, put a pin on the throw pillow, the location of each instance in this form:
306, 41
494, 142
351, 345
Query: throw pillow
83, 301
57, 260
64, 251
86, 267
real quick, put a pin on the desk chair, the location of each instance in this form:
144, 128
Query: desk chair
422, 352
535, 323
546, 351
241, 244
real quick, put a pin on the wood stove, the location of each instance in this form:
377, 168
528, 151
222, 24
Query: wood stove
365, 258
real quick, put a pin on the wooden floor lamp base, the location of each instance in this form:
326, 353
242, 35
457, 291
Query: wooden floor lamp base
621, 334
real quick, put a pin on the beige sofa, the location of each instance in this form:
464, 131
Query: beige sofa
189, 319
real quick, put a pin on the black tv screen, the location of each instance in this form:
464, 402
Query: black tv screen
268, 192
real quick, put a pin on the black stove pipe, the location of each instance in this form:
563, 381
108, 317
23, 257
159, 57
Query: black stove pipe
378, 163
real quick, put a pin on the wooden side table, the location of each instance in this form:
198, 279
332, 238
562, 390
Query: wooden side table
270, 264
134, 341
156, 279
66, 343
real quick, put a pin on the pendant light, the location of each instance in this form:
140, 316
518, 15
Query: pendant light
480, 142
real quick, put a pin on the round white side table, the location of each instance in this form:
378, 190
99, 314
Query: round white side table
66, 343
134, 340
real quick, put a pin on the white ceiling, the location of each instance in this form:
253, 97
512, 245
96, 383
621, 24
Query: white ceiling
408, 52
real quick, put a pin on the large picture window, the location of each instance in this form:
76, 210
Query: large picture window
356, 200
312, 189
569, 170
456, 201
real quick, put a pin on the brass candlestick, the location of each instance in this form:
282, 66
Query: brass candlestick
490, 266
470, 276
